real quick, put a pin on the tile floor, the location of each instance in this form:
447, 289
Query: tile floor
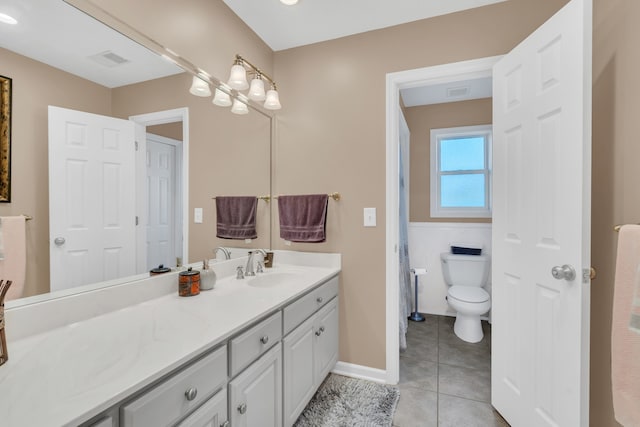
444, 381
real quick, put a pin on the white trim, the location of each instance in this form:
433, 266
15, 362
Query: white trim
435, 195
476, 68
171, 116
441, 225
360, 372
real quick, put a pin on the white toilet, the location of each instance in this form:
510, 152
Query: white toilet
466, 275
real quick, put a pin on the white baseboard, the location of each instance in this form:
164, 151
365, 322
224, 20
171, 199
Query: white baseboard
361, 372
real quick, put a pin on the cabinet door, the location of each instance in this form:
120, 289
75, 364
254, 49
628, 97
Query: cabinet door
256, 394
299, 370
326, 339
212, 414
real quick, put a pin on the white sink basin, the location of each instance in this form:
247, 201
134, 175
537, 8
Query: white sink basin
276, 278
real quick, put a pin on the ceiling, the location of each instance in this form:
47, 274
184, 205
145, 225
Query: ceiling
47, 31
311, 21
463, 90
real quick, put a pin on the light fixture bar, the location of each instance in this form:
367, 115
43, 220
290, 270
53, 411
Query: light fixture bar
255, 70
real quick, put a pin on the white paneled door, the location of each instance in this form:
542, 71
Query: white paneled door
161, 204
91, 198
541, 224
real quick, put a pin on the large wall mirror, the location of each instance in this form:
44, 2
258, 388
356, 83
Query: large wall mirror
58, 56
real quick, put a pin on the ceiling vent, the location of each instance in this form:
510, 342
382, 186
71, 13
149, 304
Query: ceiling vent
109, 59
457, 92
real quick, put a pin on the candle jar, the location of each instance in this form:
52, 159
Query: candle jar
189, 283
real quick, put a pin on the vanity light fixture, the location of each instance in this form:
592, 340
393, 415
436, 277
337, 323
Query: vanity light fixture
239, 107
8, 19
238, 81
199, 87
221, 98
228, 94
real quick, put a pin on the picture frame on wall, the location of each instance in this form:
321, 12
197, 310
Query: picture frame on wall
5, 139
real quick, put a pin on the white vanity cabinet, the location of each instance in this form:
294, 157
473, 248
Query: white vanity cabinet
212, 414
180, 394
310, 351
255, 396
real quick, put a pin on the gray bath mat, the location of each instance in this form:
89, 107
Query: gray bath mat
342, 401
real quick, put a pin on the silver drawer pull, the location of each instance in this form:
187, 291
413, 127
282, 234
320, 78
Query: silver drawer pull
191, 393
242, 408
225, 424
319, 300
264, 339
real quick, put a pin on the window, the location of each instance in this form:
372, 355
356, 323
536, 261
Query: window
461, 172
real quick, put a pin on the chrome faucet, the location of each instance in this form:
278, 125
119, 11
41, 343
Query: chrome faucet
250, 271
225, 252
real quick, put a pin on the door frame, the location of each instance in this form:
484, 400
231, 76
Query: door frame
160, 118
475, 68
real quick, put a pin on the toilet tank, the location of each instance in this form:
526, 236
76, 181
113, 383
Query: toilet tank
465, 270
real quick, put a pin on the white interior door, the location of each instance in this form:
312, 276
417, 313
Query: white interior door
91, 198
541, 220
161, 205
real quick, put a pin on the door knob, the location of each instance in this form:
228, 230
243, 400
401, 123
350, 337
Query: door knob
59, 241
566, 272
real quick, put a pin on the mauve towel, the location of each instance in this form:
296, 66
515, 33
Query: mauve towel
303, 218
236, 217
625, 338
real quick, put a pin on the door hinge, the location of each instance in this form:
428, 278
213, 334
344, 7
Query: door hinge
136, 144
137, 220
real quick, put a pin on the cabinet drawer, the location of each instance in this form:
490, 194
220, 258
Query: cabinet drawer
296, 312
168, 402
250, 345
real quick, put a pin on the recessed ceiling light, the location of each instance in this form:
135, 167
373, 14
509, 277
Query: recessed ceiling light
289, 2
6, 19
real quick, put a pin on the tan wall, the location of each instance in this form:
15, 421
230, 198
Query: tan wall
615, 174
331, 137
205, 32
168, 130
228, 155
421, 120
35, 86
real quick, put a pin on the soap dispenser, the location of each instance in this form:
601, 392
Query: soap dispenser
207, 277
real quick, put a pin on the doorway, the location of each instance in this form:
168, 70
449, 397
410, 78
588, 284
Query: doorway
170, 236
468, 70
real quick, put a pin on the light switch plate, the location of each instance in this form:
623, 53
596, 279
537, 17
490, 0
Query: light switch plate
369, 217
197, 215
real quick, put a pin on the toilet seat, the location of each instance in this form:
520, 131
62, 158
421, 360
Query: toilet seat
468, 294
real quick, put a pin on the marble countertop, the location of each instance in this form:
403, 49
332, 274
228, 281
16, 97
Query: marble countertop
69, 374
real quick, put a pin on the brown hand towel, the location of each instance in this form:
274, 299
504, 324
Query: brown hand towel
236, 217
303, 218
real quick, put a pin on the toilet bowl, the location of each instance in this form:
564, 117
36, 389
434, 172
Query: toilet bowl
466, 275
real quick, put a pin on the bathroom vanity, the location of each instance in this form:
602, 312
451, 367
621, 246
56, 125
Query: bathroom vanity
250, 352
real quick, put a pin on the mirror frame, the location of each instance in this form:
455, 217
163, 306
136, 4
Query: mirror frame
5, 139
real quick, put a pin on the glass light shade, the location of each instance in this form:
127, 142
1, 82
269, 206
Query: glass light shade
221, 98
273, 100
239, 107
199, 87
256, 91
289, 2
238, 78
